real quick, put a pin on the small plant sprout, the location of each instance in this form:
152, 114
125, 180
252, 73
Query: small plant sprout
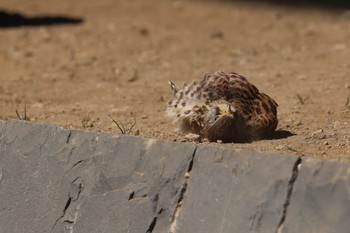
24, 117
347, 103
301, 99
121, 125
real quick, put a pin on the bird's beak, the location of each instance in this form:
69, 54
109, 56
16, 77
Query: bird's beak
228, 110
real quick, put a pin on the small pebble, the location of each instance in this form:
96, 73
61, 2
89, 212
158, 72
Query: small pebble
217, 35
193, 137
317, 131
87, 122
144, 31
298, 123
135, 77
161, 98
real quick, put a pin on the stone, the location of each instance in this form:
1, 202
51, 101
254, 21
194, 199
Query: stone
33, 188
58, 180
320, 201
136, 186
235, 191
193, 137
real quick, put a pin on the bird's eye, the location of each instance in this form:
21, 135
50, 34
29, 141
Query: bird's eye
213, 114
217, 110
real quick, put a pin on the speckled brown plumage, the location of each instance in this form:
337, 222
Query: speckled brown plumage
223, 106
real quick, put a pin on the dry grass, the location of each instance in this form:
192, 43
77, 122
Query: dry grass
25, 116
121, 126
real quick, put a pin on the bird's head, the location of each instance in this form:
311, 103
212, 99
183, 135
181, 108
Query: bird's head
219, 110
223, 122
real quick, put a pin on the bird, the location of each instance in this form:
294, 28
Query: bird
223, 107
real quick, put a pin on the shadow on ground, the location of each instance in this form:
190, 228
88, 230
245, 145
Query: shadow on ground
280, 134
312, 4
11, 19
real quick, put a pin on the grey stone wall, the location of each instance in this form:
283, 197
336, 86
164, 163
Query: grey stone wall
59, 180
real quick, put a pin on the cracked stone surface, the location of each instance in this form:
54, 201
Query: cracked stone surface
59, 180
56, 180
32, 181
320, 200
231, 191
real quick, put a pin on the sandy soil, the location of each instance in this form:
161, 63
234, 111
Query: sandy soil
119, 60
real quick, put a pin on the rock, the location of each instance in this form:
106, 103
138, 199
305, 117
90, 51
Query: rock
193, 137
235, 192
143, 31
32, 177
298, 123
318, 134
59, 180
320, 198
134, 77
54, 180
217, 35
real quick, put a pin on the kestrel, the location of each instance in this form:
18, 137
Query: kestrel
223, 106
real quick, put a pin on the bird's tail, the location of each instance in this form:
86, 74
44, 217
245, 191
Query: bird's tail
173, 87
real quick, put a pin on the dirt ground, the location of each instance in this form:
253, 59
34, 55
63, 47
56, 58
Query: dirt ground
120, 58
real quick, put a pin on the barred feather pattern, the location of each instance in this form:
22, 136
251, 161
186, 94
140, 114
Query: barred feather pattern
254, 116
